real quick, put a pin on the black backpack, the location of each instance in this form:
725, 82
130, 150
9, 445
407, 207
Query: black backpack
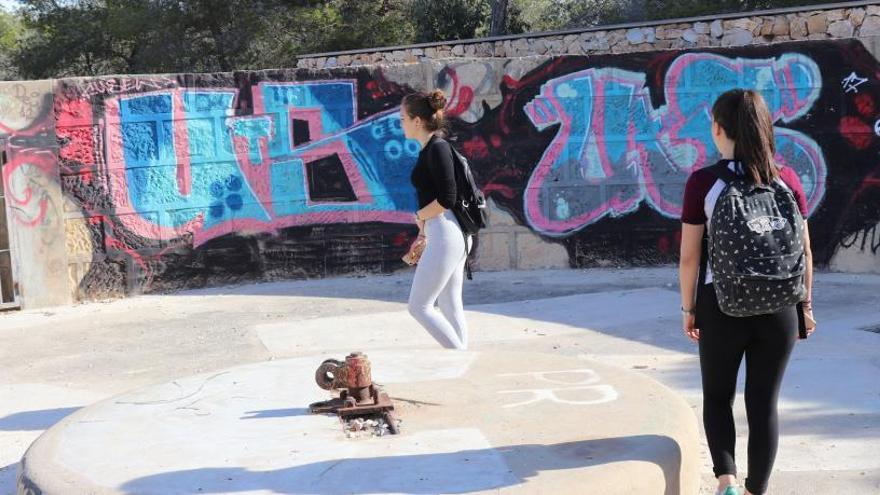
470, 205
756, 246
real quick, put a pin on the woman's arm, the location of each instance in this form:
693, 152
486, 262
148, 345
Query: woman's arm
688, 270
433, 209
808, 258
808, 278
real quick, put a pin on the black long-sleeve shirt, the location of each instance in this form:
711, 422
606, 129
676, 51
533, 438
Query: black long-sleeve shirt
434, 175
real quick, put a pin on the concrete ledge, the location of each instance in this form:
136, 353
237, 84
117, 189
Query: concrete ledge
473, 422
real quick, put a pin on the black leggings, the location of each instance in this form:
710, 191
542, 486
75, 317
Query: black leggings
766, 341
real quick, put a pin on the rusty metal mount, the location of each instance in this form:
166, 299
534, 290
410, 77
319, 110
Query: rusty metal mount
358, 396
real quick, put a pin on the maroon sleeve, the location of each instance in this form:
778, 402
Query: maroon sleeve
692, 208
791, 179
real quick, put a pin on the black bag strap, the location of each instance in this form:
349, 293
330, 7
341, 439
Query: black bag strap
459, 174
467, 258
727, 176
704, 260
721, 171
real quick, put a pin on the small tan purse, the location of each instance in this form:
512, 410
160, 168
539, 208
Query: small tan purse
415, 251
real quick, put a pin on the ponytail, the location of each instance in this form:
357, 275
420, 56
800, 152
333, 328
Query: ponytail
745, 118
428, 107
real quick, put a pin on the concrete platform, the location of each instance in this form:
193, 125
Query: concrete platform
485, 421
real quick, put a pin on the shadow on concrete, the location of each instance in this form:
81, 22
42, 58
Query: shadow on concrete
485, 288
452, 472
35, 420
8, 478
832, 426
277, 413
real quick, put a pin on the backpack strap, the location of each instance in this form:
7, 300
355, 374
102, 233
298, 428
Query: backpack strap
704, 260
721, 171
727, 176
467, 261
782, 185
458, 174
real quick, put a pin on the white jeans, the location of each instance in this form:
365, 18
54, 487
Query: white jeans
439, 278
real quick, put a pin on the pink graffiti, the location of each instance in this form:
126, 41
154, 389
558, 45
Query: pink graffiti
613, 150
251, 140
461, 96
119, 187
29, 205
74, 129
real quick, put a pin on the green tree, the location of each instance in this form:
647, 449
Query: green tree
11, 30
666, 9
505, 18
446, 20
354, 24
515, 23
222, 33
62, 36
93, 37
58, 38
549, 15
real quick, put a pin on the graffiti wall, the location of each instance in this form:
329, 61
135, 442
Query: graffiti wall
593, 152
192, 180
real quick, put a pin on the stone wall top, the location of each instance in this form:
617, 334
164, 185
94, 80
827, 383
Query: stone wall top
814, 22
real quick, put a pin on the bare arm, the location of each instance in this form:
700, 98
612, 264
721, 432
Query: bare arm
688, 270
689, 264
433, 209
808, 283
808, 255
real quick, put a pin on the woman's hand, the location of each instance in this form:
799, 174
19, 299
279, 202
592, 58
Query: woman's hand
687, 324
420, 222
809, 320
414, 254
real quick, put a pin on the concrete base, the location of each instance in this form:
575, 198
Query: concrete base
472, 422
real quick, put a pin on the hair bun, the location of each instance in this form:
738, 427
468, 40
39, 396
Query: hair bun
437, 100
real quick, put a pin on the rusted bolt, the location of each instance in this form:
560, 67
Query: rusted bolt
358, 374
331, 374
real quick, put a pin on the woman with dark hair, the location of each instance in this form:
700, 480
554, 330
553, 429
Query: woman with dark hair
743, 299
440, 271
